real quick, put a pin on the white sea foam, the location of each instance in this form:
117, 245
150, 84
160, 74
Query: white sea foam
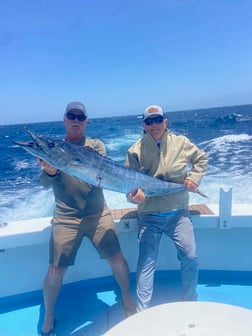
218, 143
28, 205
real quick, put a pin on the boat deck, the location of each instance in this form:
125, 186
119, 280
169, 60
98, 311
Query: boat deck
92, 307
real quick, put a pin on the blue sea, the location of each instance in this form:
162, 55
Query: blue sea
225, 133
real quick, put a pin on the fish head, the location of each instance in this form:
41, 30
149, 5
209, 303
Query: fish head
48, 149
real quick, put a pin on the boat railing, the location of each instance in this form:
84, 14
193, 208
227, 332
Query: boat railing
37, 231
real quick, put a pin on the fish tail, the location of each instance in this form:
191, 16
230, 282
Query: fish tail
201, 193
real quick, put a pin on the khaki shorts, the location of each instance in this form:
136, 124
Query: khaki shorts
66, 238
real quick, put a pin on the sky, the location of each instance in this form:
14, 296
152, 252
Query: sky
118, 57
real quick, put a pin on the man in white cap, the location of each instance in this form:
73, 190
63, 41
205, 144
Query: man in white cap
167, 156
80, 211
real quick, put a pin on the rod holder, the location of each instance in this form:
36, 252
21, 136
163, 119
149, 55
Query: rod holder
225, 208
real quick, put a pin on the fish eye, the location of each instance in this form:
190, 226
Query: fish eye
51, 145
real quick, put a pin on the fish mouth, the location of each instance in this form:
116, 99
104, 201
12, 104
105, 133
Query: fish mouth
25, 143
31, 144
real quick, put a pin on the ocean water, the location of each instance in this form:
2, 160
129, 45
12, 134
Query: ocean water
225, 133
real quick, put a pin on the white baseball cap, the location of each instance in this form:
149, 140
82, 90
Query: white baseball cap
153, 110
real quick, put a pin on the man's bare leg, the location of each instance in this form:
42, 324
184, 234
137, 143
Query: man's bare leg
52, 285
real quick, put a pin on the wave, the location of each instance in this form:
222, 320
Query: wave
229, 155
230, 118
229, 138
27, 205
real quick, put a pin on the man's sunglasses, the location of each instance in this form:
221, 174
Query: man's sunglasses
156, 120
72, 116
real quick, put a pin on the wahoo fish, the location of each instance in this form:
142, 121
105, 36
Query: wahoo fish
95, 169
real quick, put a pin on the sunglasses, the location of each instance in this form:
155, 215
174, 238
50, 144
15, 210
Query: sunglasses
72, 116
156, 120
